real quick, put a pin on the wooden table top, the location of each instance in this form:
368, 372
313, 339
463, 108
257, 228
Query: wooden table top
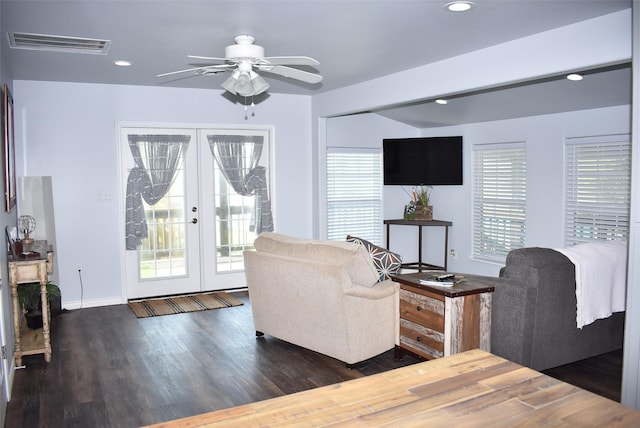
473, 388
469, 286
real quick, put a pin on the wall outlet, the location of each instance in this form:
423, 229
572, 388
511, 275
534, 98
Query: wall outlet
453, 254
105, 196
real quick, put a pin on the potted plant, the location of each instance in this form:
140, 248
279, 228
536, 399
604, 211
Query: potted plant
30, 300
422, 197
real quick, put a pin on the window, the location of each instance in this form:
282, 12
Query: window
597, 180
499, 196
162, 254
354, 194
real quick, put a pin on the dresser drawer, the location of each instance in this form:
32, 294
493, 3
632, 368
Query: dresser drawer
423, 310
421, 340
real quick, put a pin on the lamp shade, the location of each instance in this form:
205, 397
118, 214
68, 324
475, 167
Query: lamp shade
259, 85
230, 83
245, 83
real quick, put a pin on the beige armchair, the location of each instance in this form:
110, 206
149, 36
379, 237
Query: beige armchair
321, 295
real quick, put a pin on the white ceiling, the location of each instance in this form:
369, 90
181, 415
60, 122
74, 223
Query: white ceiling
354, 41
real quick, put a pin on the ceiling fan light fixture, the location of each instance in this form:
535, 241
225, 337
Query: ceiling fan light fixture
245, 83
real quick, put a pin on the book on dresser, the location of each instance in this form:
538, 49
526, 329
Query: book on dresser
442, 279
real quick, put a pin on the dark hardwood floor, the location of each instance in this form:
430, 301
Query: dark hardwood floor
601, 374
110, 369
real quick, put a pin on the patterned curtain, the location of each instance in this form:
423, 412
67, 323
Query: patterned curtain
157, 158
238, 156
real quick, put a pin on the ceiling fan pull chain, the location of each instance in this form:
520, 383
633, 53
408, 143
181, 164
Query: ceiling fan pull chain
253, 105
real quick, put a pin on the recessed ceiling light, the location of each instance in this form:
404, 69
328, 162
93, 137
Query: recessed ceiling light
122, 63
459, 6
441, 101
575, 77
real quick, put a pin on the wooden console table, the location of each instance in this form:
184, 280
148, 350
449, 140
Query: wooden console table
420, 265
437, 322
471, 389
26, 270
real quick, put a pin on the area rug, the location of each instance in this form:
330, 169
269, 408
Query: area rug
182, 304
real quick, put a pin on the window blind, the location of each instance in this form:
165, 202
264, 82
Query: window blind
354, 194
597, 188
499, 197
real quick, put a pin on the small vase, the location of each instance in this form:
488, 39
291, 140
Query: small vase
409, 212
424, 212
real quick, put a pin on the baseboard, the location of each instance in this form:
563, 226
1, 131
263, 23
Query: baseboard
77, 304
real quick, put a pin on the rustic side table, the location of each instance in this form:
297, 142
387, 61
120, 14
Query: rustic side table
440, 321
24, 270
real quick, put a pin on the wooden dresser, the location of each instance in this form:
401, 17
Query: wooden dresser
438, 321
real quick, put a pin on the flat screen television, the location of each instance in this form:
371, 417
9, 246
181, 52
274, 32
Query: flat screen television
425, 160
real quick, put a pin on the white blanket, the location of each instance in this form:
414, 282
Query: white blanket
601, 278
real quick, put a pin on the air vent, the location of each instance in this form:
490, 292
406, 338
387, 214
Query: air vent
50, 43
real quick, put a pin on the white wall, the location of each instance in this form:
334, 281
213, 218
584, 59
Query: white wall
68, 131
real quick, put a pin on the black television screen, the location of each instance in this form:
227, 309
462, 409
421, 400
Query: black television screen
427, 160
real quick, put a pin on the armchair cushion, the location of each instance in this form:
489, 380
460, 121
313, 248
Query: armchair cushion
353, 257
385, 261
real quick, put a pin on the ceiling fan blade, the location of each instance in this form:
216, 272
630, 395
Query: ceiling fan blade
210, 58
291, 60
293, 73
186, 70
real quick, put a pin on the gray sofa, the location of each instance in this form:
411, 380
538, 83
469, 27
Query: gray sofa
533, 319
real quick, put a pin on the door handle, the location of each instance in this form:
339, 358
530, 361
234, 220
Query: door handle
194, 221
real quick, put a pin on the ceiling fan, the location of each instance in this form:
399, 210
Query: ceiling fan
244, 60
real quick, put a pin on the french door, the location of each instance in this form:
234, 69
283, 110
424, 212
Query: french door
199, 229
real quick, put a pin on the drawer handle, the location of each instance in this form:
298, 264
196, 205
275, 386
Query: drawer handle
418, 308
418, 339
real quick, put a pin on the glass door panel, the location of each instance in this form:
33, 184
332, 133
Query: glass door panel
230, 216
168, 260
163, 254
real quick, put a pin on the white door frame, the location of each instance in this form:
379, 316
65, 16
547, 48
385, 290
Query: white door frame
121, 189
